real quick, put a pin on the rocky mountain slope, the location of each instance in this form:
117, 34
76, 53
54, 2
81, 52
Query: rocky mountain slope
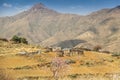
47, 27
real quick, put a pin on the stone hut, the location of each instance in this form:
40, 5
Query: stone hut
67, 51
48, 49
56, 49
59, 53
77, 51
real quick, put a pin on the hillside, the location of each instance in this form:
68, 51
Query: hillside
37, 66
44, 26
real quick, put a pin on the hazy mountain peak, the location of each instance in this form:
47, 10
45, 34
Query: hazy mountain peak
38, 6
118, 7
41, 8
115, 9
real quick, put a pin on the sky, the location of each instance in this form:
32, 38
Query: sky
81, 7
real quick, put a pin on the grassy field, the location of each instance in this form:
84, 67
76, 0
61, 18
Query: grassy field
90, 66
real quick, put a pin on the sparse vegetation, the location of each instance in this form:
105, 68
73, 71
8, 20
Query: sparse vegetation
24, 67
97, 48
4, 76
60, 54
17, 39
3, 39
92, 65
69, 61
58, 66
73, 76
46, 27
116, 54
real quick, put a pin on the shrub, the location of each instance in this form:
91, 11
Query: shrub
17, 39
3, 39
88, 63
24, 67
116, 54
73, 76
108, 52
69, 61
97, 48
23, 40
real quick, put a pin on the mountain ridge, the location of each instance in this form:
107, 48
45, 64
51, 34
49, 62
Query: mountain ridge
47, 27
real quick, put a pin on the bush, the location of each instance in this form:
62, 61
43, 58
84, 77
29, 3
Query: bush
73, 76
24, 67
69, 61
17, 39
97, 48
116, 54
23, 40
3, 39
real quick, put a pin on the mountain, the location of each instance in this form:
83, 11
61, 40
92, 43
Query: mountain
44, 26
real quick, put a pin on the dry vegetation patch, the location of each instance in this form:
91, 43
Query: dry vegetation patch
90, 66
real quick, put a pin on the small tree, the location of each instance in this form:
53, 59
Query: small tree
58, 67
97, 48
17, 39
23, 40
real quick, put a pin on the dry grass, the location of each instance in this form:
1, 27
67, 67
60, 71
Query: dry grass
5, 76
92, 63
